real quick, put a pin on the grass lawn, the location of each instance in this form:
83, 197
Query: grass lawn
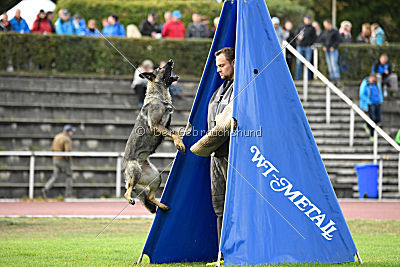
71, 242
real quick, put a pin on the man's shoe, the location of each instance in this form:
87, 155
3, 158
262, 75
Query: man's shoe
44, 193
366, 128
371, 138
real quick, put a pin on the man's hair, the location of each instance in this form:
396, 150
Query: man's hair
229, 53
328, 20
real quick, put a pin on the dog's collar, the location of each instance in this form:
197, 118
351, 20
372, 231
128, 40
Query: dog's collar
164, 101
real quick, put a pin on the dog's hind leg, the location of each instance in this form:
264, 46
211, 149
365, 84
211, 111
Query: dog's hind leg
132, 173
153, 185
141, 193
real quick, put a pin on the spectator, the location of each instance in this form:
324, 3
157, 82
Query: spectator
371, 99
61, 165
318, 31
174, 89
104, 22
365, 34
167, 18
132, 31
5, 25
383, 70
114, 27
79, 25
91, 29
174, 29
149, 26
197, 29
212, 32
64, 23
139, 84
306, 38
377, 34
41, 24
50, 16
18, 23
278, 29
398, 137
289, 36
330, 40
345, 32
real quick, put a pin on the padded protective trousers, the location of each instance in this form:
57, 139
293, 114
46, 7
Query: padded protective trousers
219, 172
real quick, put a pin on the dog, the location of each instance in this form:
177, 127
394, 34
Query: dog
151, 126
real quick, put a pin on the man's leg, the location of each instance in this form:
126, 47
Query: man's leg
335, 65
219, 168
68, 178
378, 113
299, 65
56, 173
308, 55
371, 113
329, 63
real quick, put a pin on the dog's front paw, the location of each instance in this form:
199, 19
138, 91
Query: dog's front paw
132, 201
180, 145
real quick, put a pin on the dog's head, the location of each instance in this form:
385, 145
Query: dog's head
161, 75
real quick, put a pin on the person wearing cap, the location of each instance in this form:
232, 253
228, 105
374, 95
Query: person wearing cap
139, 84
64, 23
41, 24
278, 29
61, 164
149, 26
174, 29
79, 25
18, 23
114, 27
306, 37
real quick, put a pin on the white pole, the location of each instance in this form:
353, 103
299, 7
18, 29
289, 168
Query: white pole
118, 178
351, 137
380, 179
315, 59
398, 175
305, 83
31, 176
334, 13
328, 105
375, 146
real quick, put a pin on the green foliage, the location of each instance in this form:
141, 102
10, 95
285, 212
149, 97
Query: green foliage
356, 60
83, 55
385, 13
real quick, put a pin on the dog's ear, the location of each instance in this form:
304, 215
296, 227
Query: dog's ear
147, 75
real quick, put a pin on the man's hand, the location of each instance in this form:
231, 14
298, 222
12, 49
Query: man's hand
386, 72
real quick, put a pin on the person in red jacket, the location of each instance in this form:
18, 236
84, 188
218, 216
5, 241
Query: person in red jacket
174, 29
41, 24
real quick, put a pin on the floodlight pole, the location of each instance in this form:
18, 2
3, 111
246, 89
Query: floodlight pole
334, 13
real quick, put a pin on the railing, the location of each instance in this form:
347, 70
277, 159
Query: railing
353, 107
33, 154
119, 156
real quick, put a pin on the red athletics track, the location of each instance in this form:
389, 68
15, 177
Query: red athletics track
385, 210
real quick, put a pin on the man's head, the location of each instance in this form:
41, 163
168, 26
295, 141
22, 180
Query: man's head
372, 78
176, 16
18, 13
111, 20
152, 17
383, 59
5, 16
147, 65
65, 14
225, 61
328, 24
69, 129
49, 15
77, 17
288, 25
92, 24
275, 21
307, 20
196, 18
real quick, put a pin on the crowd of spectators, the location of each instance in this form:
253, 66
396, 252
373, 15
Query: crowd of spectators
172, 27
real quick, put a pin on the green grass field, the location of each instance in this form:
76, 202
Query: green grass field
71, 242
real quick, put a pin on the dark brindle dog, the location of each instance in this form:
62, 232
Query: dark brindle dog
151, 126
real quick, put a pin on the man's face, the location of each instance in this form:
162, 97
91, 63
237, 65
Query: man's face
111, 20
307, 21
225, 69
372, 79
383, 60
5, 16
17, 13
196, 18
327, 25
70, 133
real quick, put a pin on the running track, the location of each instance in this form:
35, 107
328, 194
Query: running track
386, 210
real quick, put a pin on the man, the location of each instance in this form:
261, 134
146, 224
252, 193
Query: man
383, 70
218, 119
197, 29
289, 35
330, 40
139, 84
64, 23
61, 165
149, 27
18, 23
371, 99
79, 25
278, 29
114, 27
50, 16
304, 42
174, 29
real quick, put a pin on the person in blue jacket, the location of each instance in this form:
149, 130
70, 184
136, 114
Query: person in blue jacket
19, 24
64, 23
371, 99
114, 27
